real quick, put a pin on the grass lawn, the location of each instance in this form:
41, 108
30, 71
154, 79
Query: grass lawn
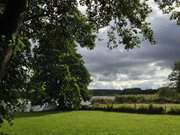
93, 123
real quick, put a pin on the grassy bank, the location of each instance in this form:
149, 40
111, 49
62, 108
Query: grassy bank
93, 123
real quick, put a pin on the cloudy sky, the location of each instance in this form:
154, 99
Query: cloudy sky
144, 67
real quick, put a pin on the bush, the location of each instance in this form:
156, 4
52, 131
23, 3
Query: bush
102, 101
167, 93
174, 110
150, 109
135, 98
164, 96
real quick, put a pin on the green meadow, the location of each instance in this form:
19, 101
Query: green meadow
92, 123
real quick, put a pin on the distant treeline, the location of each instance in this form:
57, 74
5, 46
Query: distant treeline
113, 92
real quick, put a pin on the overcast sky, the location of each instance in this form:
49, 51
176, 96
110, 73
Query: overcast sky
144, 67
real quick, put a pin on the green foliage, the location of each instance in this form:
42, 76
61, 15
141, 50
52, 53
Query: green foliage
129, 91
127, 20
43, 19
167, 93
170, 7
102, 101
14, 82
36, 92
164, 95
174, 77
174, 110
136, 108
135, 98
62, 72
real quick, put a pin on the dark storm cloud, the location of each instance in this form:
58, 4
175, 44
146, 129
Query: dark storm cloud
145, 67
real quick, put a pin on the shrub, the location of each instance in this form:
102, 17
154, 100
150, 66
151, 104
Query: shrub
164, 96
174, 110
129, 109
151, 109
102, 101
167, 93
135, 98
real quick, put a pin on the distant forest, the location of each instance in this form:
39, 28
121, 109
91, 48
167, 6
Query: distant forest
129, 91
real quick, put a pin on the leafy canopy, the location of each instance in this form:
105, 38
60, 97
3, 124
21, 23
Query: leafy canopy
61, 71
24, 20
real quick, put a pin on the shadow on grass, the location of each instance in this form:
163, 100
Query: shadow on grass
2, 133
150, 111
37, 114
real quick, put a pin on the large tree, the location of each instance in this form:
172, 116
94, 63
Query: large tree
35, 19
61, 70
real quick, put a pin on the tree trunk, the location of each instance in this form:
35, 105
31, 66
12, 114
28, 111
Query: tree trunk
9, 22
5, 61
